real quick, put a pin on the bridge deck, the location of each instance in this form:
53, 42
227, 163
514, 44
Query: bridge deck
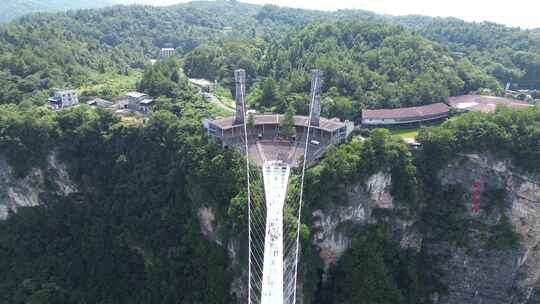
276, 177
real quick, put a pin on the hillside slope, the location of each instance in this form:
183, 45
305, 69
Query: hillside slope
12, 9
510, 54
372, 63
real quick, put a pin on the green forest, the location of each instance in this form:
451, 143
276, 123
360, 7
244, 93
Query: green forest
10, 10
369, 60
130, 234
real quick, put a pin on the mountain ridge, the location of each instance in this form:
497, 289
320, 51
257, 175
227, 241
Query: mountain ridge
10, 10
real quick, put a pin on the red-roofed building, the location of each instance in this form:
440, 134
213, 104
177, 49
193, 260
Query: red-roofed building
405, 116
486, 104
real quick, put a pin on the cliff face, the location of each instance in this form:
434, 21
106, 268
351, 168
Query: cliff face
474, 273
329, 226
480, 275
30, 190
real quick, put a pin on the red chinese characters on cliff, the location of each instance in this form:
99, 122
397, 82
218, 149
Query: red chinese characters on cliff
477, 185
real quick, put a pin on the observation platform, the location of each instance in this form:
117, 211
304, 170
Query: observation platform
286, 151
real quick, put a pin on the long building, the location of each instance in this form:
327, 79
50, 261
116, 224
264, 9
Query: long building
405, 116
229, 131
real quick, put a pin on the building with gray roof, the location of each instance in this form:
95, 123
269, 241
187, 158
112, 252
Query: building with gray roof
229, 131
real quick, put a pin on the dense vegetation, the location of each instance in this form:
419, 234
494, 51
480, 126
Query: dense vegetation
349, 163
12, 9
375, 270
365, 65
72, 49
131, 235
509, 54
508, 133
367, 62
374, 65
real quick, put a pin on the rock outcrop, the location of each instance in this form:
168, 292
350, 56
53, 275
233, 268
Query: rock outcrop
329, 226
475, 274
206, 216
480, 275
471, 274
29, 191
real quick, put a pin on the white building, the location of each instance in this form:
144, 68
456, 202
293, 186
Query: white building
139, 102
167, 52
63, 99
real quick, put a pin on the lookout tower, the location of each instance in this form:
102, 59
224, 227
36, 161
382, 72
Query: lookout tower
316, 85
240, 80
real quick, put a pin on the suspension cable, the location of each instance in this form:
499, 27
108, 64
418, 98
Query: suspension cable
248, 183
302, 189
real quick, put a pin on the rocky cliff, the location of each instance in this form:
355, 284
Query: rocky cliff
31, 190
476, 273
329, 233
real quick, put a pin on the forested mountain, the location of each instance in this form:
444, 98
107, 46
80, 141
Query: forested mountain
11, 9
131, 237
373, 64
378, 63
130, 234
509, 54
131, 229
71, 49
366, 65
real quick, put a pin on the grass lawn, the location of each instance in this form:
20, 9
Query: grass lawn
406, 133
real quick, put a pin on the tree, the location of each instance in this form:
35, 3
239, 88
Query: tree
251, 121
288, 128
269, 94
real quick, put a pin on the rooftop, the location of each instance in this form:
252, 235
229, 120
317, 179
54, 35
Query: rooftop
167, 49
479, 103
135, 94
100, 102
401, 113
146, 101
329, 125
200, 82
62, 92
